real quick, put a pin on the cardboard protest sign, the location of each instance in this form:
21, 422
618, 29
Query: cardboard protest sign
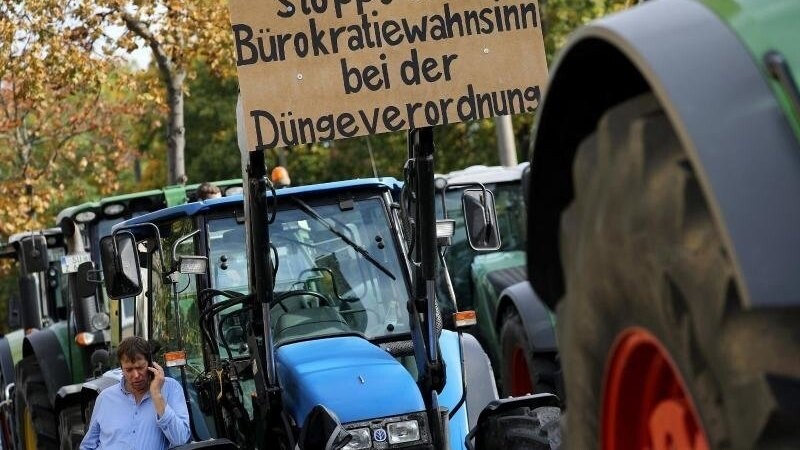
315, 70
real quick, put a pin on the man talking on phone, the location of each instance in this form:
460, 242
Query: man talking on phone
146, 411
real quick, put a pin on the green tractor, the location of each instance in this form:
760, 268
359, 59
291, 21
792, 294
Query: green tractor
56, 360
663, 225
40, 302
514, 326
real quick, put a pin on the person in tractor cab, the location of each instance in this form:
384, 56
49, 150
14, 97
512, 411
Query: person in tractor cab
208, 190
147, 410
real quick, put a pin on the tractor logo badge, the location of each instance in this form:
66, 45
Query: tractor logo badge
379, 435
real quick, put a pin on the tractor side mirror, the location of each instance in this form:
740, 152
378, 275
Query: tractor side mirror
33, 250
85, 283
30, 312
121, 265
480, 219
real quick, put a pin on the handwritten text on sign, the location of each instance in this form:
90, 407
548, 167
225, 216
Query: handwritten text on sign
316, 70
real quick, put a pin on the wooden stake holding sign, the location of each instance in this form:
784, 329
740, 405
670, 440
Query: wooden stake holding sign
318, 70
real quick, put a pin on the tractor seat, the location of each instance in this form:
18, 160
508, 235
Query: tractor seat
309, 322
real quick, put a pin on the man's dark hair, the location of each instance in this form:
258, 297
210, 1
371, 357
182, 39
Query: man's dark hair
207, 190
131, 347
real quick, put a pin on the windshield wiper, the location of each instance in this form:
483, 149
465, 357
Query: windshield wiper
313, 213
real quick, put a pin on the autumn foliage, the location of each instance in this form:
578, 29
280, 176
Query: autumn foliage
178, 34
70, 104
61, 123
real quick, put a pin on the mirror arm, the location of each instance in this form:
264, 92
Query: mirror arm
179, 242
486, 213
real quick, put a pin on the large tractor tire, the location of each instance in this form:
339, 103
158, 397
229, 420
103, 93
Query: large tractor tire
521, 371
35, 417
71, 428
657, 349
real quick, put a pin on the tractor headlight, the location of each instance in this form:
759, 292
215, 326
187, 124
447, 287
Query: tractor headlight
408, 431
100, 321
402, 432
359, 439
85, 216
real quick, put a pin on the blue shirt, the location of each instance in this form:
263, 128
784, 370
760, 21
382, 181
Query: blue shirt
119, 423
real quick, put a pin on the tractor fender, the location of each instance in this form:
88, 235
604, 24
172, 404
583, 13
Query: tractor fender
45, 346
67, 396
478, 378
728, 120
536, 318
470, 382
92, 388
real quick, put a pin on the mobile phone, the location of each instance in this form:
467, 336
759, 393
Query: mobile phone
149, 357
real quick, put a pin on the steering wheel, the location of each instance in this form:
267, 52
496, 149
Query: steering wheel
298, 293
315, 269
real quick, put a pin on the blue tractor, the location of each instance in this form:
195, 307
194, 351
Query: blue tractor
308, 315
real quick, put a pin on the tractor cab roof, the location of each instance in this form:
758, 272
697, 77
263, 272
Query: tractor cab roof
205, 206
53, 237
485, 174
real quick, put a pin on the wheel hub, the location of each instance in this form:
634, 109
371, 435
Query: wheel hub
645, 402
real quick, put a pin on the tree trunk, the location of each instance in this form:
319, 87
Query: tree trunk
176, 132
173, 76
506, 147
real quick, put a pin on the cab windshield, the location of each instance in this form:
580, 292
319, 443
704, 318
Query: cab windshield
338, 270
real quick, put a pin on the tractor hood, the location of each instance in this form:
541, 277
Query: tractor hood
349, 375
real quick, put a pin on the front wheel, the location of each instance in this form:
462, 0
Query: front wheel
658, 351
522, 429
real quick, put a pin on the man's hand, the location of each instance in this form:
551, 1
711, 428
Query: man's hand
157, 381
157, 372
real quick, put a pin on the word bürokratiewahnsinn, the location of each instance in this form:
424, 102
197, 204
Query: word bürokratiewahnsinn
264, 46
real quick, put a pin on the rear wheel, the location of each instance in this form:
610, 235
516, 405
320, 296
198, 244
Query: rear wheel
654, 302
33, 410
521, 372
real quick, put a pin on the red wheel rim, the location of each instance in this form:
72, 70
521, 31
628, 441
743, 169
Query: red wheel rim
520, 374
645, 401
